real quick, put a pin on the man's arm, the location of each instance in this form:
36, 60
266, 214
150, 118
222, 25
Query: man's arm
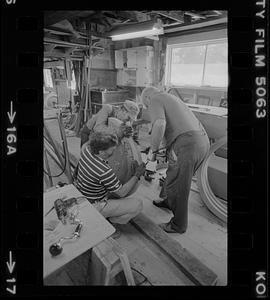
128, 186
102, 118
157, 134
158, 120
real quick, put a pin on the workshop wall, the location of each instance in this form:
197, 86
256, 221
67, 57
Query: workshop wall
103, 74
158, 66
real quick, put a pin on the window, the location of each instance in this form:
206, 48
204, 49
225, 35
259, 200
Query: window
198, 64
72, 82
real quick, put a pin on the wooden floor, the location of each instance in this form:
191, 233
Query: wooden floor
206, 237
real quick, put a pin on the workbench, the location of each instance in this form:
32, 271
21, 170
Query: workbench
95, 229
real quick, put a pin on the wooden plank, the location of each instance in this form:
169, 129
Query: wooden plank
142, 260
189, 264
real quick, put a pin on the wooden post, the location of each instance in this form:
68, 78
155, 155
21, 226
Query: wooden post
87, 113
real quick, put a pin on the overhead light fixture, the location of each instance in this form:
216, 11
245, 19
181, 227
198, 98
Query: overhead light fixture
132, 31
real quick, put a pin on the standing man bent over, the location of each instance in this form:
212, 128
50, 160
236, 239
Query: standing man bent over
187, 145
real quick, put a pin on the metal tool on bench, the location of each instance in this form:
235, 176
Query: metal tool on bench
57, 248
66, 212
62, 207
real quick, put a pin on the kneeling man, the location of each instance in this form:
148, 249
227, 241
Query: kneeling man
99, 184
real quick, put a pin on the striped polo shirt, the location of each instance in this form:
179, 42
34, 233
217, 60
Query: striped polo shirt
95, 177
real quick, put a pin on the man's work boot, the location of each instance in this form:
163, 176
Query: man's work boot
168, 227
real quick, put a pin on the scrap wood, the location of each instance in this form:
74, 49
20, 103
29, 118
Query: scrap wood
193, 268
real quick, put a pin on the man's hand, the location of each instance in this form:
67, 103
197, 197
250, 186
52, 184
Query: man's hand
153, 157
125, 131
140, 170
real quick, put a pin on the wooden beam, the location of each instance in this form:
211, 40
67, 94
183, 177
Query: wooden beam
142, 17
53, 17
176, 16
63, 43
52, 64
193, 268
49, 47
197, 16
152, 37
70, 50
55, 53
83, 35
218, 12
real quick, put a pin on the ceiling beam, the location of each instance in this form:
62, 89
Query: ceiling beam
60, 54
197, 16
173, 15
63, 33
142, 17
152, 37
70, 51
52, 64
171, 24
53, 17
63, 43
197, 25
49, 47
218, 12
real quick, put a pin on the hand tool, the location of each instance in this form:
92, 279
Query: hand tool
57, 248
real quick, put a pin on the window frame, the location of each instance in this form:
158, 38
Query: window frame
191, 44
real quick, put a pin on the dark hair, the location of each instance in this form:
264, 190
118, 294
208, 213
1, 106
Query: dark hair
100, 141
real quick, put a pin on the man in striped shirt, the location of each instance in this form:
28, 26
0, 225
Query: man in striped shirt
97, 181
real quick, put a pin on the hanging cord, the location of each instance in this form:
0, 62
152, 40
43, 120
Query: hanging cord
65, 158
64, 168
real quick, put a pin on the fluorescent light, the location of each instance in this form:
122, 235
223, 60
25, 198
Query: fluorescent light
136, 34
132, 31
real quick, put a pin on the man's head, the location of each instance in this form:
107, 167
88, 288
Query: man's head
128, 112
103, 144
147, 94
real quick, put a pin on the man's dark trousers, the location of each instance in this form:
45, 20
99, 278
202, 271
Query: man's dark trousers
185, 156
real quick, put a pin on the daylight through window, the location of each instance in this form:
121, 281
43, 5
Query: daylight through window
198, 65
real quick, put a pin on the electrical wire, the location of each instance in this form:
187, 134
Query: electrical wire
65, 163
